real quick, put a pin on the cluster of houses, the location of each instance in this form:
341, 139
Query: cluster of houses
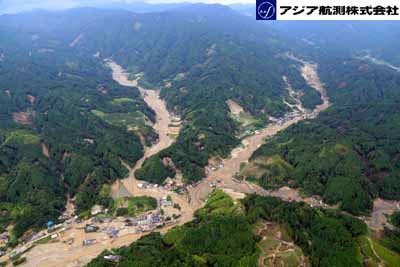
31, 239
146, 185
280, 121
165, 202
143, 223
18, 251
288, 117
294, 114
61, 227
169, 184
213, 167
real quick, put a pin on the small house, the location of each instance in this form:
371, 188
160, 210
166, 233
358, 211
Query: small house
113, 233
88, 242
142, 220
18, 251
131, 224
140, 186
96, 209
155, 218
113, 258
50, 224
89, 228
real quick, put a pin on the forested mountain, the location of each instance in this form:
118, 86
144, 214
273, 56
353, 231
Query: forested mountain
350, 153
207, 55
63, 117
64, 122
10, 7
344, 38
52, 142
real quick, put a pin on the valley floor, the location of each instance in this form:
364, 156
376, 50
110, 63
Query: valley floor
64, 254
231, 166
69, 251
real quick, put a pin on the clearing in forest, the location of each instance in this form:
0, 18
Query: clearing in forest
276, 247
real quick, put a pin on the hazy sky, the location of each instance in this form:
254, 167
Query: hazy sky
12, 6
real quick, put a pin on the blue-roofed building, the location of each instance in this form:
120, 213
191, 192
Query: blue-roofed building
50, 224
155, 218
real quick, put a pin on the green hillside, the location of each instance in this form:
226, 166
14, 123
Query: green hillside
65, 118
349, 154
223, 234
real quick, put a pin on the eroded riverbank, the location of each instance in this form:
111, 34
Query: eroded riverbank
231, 166
162, 126
63, 254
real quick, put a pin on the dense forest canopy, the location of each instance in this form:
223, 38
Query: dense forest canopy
219, 236
344, 38
349, 154
64, 122
63, 116
53, 143
222, 234
208, 53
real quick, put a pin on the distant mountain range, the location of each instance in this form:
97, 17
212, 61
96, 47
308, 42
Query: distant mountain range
52, 71
137, 7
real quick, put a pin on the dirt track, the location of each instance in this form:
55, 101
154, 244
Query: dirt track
75, 255
163, 120
381, 209
152, 98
